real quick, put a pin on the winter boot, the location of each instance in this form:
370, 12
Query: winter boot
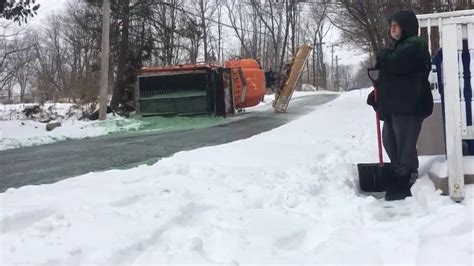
401, 189
393, 188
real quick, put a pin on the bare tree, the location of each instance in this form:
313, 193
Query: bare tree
315, 29
83, 50
165, 23
193, 33
164, 32
238, 13
206, 9
364, 23
345, 77
9, 48
52, 54
23, 62
270, 13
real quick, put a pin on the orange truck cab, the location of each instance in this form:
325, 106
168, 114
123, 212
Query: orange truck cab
248, 82
199, 89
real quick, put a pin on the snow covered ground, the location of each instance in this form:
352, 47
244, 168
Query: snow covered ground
266, 104
18, 131
287, 196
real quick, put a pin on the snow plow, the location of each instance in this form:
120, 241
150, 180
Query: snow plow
293, 73
211, 89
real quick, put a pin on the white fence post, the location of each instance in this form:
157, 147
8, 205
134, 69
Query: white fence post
453, 109
469, 131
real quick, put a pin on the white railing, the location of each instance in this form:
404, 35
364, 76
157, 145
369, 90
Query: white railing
454, 27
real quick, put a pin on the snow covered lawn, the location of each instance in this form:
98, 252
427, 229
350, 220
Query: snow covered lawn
266, 104
15, 134
16, 130
287, 196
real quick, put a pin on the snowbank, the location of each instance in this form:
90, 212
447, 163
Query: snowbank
18, 130
62, 110
288, 196
15, 134
440, 168
266, 104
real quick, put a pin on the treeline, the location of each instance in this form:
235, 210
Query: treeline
60, 61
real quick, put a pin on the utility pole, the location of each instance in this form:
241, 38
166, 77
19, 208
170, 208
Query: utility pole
104, 66
337, 72
319, 48
219, 33
332, 63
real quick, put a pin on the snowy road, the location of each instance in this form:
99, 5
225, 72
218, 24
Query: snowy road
55, 162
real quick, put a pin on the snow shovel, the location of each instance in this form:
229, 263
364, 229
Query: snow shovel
374, 177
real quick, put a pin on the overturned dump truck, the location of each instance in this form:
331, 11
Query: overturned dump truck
210, 89
199, 89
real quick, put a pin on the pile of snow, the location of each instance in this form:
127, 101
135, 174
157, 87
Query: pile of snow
309, 88
303, 93
287, 196
268, 99
440, 168
18, 130
52, 111
16, 134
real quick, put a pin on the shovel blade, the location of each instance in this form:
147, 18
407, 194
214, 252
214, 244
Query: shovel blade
373, 177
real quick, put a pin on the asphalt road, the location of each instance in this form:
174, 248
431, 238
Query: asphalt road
54, 162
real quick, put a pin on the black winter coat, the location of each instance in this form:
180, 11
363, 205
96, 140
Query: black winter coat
403, 86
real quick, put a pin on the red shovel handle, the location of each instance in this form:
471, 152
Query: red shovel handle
377, 114
379, 134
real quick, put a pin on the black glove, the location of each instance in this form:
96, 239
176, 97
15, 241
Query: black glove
371, 100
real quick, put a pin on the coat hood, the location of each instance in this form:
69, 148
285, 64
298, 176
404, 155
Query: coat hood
408, 23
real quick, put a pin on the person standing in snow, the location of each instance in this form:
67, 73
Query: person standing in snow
404, 99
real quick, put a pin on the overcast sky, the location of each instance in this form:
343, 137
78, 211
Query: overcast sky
47, 7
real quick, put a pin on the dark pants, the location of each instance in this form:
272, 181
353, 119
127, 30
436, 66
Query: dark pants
400, 135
